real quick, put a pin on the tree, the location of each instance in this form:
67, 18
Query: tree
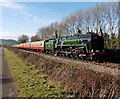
45, 32
118, 39
54, 29
71, 24
23, 39
35, 38
79, 21
112, 23
106, 40
113, 41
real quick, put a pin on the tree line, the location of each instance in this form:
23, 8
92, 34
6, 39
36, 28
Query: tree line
101, 19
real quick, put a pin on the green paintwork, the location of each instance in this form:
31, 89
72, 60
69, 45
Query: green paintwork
71, 41
49, 45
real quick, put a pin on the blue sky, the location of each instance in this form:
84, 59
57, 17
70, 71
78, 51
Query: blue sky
27, 17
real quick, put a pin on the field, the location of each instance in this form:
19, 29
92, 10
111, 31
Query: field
41, 76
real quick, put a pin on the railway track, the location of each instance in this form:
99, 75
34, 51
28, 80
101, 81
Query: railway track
106, 67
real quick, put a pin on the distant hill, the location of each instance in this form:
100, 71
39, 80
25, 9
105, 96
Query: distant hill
6, 42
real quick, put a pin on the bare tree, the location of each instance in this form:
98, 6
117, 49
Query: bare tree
71, 24
79, 21
23, 39
112, 22
87, 20
54, 29
45, 32
61, 29
35, 38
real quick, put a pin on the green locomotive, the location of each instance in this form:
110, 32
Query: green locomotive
87, 46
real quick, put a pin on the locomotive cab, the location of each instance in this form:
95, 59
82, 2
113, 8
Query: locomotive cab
97, 47
97, 44
94, 45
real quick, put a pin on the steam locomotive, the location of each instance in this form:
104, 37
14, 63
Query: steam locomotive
88, 46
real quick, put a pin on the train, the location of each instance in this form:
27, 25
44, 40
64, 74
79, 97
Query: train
88, 46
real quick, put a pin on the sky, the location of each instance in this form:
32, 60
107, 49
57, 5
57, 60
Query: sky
19, 18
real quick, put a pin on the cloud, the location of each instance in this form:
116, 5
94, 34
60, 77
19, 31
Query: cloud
10, 35
11, 5
7, 35
42, 19
30, 16
19, 9
22, 10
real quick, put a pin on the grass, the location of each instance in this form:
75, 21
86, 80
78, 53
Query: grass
28, 81
78, 82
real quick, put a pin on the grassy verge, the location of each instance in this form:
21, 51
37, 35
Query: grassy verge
29, 82
77, 81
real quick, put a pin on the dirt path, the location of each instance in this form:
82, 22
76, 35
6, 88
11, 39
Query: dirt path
6, 80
